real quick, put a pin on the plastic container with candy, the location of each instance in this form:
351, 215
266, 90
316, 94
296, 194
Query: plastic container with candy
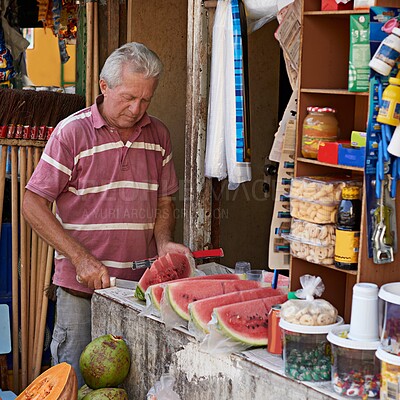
306, 351
355, 369
390, 374
390, 336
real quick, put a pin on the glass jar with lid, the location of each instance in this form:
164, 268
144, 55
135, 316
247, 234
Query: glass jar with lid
319, 125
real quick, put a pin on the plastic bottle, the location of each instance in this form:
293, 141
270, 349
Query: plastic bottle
389, 112
387, 53
348, 229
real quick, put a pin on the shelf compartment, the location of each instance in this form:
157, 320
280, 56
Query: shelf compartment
322, 164
325, 55
351, 112
343, 92
314, 7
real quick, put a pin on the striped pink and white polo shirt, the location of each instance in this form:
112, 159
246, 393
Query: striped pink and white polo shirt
106, 191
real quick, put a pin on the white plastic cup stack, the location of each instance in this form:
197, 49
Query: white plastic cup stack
364, 323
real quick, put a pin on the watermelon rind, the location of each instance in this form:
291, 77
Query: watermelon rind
196, 322
139, 294
236, 335
175, 306
154, 301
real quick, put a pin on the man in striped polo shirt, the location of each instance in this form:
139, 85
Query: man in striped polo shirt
109, 169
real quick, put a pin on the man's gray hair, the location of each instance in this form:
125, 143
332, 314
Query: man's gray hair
136, 57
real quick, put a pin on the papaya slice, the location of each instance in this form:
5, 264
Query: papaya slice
58, 382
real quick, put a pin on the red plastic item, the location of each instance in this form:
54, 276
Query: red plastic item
328, 152
331, 5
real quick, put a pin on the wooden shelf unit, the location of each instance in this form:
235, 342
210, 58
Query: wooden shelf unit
323, 81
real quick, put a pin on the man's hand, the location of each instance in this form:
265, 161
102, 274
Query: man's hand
172, 247
92, 273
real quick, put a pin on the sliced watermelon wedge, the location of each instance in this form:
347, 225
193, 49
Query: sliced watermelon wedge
181, 294
164, 269
247, 322
157, 290
201, 311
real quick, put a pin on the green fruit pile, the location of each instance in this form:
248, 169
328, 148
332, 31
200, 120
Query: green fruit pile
104, 364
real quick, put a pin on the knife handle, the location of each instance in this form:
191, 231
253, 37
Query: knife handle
208, 253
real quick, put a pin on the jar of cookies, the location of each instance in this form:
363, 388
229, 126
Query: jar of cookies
319, 125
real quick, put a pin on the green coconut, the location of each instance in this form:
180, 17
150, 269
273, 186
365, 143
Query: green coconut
83, 391
105, 362
107, 394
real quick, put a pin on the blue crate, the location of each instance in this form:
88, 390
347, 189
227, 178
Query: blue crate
5, 261
46, 358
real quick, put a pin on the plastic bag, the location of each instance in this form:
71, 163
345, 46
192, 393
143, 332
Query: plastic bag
217, 343
312, 313
163, 389
259, 12
168, 315
311, 286
221, 151
215, 158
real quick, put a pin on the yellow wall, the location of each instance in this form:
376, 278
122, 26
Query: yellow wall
43, 61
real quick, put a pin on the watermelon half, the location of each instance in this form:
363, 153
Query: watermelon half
166, 268
181, 294
201, 311
247, 322
157, 290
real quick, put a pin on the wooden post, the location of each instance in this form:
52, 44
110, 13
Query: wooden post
15, 256
197, 189
89, 52
95, 78
24, 273
2, 180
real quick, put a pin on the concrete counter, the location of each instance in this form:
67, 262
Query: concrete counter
250, 375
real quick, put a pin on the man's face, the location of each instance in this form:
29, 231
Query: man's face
124, 105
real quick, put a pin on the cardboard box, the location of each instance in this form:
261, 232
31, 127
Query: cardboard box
360, 53
351, 156
331, 5
358, 139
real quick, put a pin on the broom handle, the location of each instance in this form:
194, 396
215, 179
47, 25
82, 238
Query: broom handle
39, 308
32, 291
95, 51
24, 316
43, 314
14, 233
2, 181
89, 52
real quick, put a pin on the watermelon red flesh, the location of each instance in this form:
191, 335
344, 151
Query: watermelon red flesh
201, 311
157, 290
247, 322
282, 279
173, 266
181, 294
161, 265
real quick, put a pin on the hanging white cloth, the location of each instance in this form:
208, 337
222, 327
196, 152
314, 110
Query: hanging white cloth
222, 157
